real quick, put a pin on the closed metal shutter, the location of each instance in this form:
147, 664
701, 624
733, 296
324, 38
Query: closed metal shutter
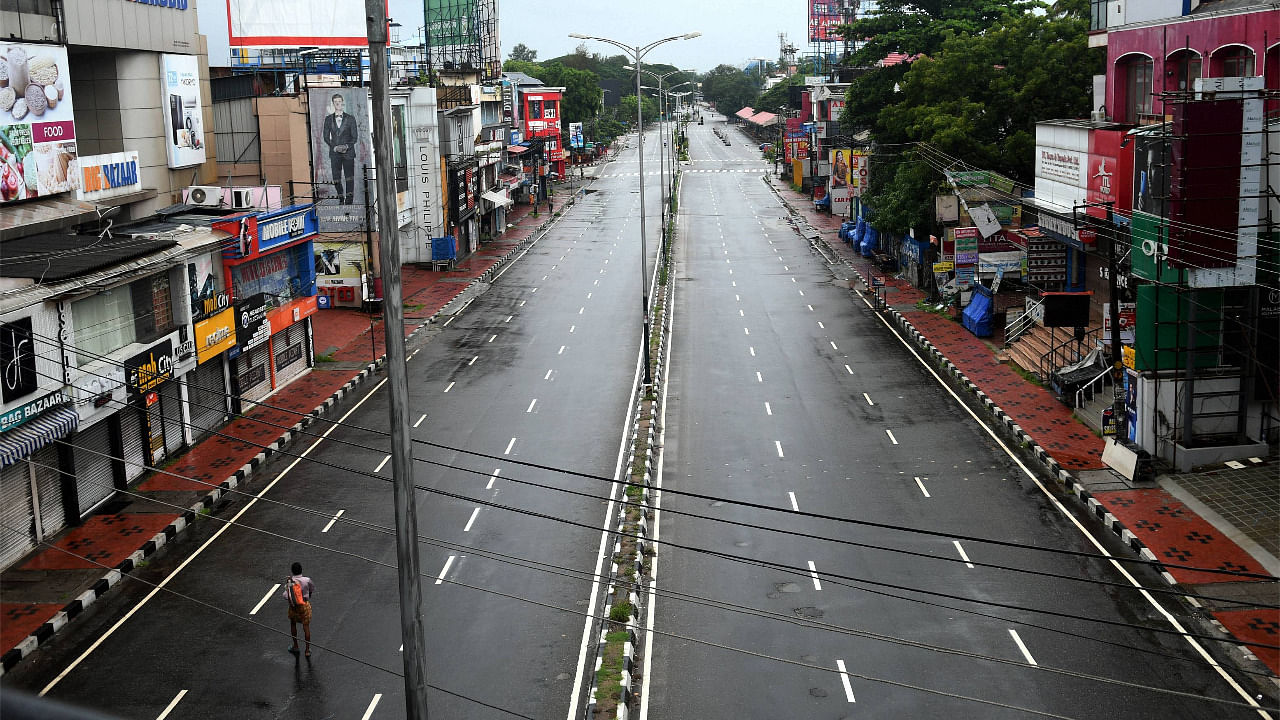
171, 410
135, 453
49, 486
17, 519
254, 373
207, 396
95, 479
290, 352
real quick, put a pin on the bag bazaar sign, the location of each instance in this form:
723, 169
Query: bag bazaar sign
19, 415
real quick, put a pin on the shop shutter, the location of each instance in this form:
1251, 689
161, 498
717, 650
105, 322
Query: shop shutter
49, 485
255, 374
171, 410
291, 353
135, 453
206, 391
95, 478
17, 520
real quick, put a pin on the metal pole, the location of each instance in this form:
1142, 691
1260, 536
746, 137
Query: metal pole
412, 631
644, 251
662, 164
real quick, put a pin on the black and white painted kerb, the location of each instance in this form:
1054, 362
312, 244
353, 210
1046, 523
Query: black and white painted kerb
210, 501
1064, 478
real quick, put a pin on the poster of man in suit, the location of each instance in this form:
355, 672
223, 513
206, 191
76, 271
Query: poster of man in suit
341, 150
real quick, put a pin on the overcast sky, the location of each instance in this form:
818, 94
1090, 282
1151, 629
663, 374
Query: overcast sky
732, 32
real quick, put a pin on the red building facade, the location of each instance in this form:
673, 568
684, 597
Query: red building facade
541, 109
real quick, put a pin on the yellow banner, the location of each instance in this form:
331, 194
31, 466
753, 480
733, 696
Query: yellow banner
215, 334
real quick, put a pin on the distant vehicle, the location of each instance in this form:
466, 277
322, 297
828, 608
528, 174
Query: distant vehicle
699, 120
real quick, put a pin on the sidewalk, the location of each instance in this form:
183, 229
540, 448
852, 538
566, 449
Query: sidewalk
41, 593
1218, 517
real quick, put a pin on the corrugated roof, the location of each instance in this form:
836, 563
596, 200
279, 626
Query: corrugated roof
52, 257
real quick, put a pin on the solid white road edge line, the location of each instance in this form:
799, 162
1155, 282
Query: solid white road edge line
1022, 646
844, 680
1057, 504
172, 704
264, 599
332, 520
588, 641
163, 583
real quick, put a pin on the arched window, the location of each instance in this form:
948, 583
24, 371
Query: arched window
1233, 61
1134, 73
1182, 69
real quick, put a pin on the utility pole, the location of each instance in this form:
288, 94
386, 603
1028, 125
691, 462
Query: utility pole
1113, 310
411, 627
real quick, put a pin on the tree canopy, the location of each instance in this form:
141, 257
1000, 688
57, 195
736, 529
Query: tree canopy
922, 26
976, 98
523, 53
730, 89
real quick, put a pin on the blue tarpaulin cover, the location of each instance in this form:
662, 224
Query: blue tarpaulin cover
977, 317
870, 242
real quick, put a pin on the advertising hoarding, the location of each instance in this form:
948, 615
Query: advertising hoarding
181, 110
340, 272
37, 127
424, 177
451, 23
340, 151
859, 172
824, 16
296, 23
575, 135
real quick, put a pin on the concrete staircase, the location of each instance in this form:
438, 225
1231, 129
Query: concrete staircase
1030, 350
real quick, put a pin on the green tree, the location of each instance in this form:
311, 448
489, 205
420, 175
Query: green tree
976, 100
627, 110
922, 26
730, 89
523, 53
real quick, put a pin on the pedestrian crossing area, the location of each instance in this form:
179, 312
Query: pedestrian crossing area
687, 171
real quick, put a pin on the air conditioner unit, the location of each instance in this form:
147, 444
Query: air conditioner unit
203, 196
244, 198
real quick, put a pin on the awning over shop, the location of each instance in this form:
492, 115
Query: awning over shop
499, 198
44, 215
763, 119
516, 149
34, 434
745, 113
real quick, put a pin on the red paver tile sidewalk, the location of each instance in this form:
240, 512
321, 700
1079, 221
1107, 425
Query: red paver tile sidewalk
1255, 626
18, 620
103, 540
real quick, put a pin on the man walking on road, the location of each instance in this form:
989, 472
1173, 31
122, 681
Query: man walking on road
297, 591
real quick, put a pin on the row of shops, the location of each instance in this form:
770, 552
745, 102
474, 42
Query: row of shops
138, 348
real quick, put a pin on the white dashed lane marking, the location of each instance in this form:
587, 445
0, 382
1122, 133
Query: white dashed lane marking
332, 520
445, 570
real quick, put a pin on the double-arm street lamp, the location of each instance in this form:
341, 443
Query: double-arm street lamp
637, 53
662, 115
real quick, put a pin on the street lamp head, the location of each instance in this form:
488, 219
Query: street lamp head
690, 36
580, 36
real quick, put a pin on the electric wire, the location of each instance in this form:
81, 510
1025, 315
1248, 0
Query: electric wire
264, 626
693, 599
711, 498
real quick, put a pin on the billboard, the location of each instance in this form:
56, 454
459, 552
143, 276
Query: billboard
824, 16
859, 172
340, 151
451, 23
180, 107
37, 128
424, 178
340, 272
296, 23
575, 135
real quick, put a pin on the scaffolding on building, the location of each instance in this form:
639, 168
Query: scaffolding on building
461, 36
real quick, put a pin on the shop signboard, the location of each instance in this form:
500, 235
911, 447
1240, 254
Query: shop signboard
285, 226
107, 176
944, 267
215, 334
145, 371
964, 277
340, 272
859, 172
966, 244
1128, 321
181, 110
202, 284
252, 329
17, 359
37, 124
294, 311
11, 419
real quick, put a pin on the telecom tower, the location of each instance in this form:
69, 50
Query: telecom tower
786, 53
462, 36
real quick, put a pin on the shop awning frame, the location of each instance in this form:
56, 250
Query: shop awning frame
29, 438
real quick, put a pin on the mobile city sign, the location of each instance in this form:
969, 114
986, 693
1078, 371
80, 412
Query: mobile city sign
285, 227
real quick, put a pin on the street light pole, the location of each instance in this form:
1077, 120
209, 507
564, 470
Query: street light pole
403, 493
637, 54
